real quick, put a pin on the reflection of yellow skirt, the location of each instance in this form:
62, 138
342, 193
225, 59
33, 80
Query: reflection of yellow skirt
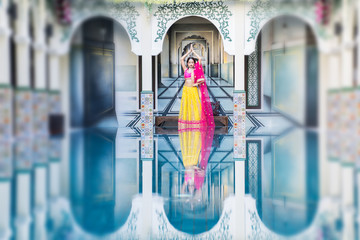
190, 109
190, 143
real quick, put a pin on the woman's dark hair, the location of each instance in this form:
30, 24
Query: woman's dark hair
194, 59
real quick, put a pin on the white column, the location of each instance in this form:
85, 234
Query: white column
239, 13
358, 42
347, 43
323, 77
54, 172
54, 61
23, 199
147, 198
65, 105
347, 81
39, 19
40, 201
146, 53
54, 192
239, 210
5, 32
22, 41
54, 83
334, 168
5, 209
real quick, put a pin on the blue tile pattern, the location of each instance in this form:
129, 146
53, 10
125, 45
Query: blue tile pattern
147, 125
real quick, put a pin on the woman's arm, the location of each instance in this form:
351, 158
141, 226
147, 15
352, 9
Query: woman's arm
197, 56
183, 60
193, 80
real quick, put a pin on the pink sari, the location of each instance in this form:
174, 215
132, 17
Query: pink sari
207, 135
204, 96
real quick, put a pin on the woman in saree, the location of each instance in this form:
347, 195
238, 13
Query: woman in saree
190, 115
196, 123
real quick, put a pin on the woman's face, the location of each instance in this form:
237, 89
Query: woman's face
191, 63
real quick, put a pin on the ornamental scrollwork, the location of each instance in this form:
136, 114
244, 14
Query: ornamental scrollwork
213, 10
123, 11
260, 10
126, 12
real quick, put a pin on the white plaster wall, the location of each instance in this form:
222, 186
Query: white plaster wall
165, 58
273, 35
125, 72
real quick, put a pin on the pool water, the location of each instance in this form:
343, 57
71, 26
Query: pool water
102, 189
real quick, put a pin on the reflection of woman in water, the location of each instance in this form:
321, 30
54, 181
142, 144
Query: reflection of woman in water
196, 125
195, 147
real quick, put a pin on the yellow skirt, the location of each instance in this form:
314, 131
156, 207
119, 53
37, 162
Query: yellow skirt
190, 110
190, 143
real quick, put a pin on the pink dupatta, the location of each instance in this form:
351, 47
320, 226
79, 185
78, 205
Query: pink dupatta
204, 96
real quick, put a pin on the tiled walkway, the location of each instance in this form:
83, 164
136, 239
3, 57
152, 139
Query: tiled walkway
169, 95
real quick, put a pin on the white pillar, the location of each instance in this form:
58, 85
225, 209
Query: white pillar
347, 43
39, 45
239, 211
147, 198
322, 92
347, 77
146, 53
5, 209
54, 176
65, 105
54, 192
22, 40
239, 130
5, 32
239, 15
23, 199
334, 167
54, 83
40, 202
358, 42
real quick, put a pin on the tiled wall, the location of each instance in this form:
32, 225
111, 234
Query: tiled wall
6, 160
239, 124
147, 123
333, 110
348, 126
23, 113
6, 94
343, 125
23, 154
40, 113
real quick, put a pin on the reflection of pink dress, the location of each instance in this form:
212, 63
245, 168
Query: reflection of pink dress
207, 135
204, 96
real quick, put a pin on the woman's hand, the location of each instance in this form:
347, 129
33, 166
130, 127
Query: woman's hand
201, 81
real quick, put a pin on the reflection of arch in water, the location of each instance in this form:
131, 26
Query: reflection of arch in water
101, 195
323, 218
200, 213
223, 229
67, 224
295, 214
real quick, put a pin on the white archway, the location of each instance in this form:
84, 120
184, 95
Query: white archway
157, 46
